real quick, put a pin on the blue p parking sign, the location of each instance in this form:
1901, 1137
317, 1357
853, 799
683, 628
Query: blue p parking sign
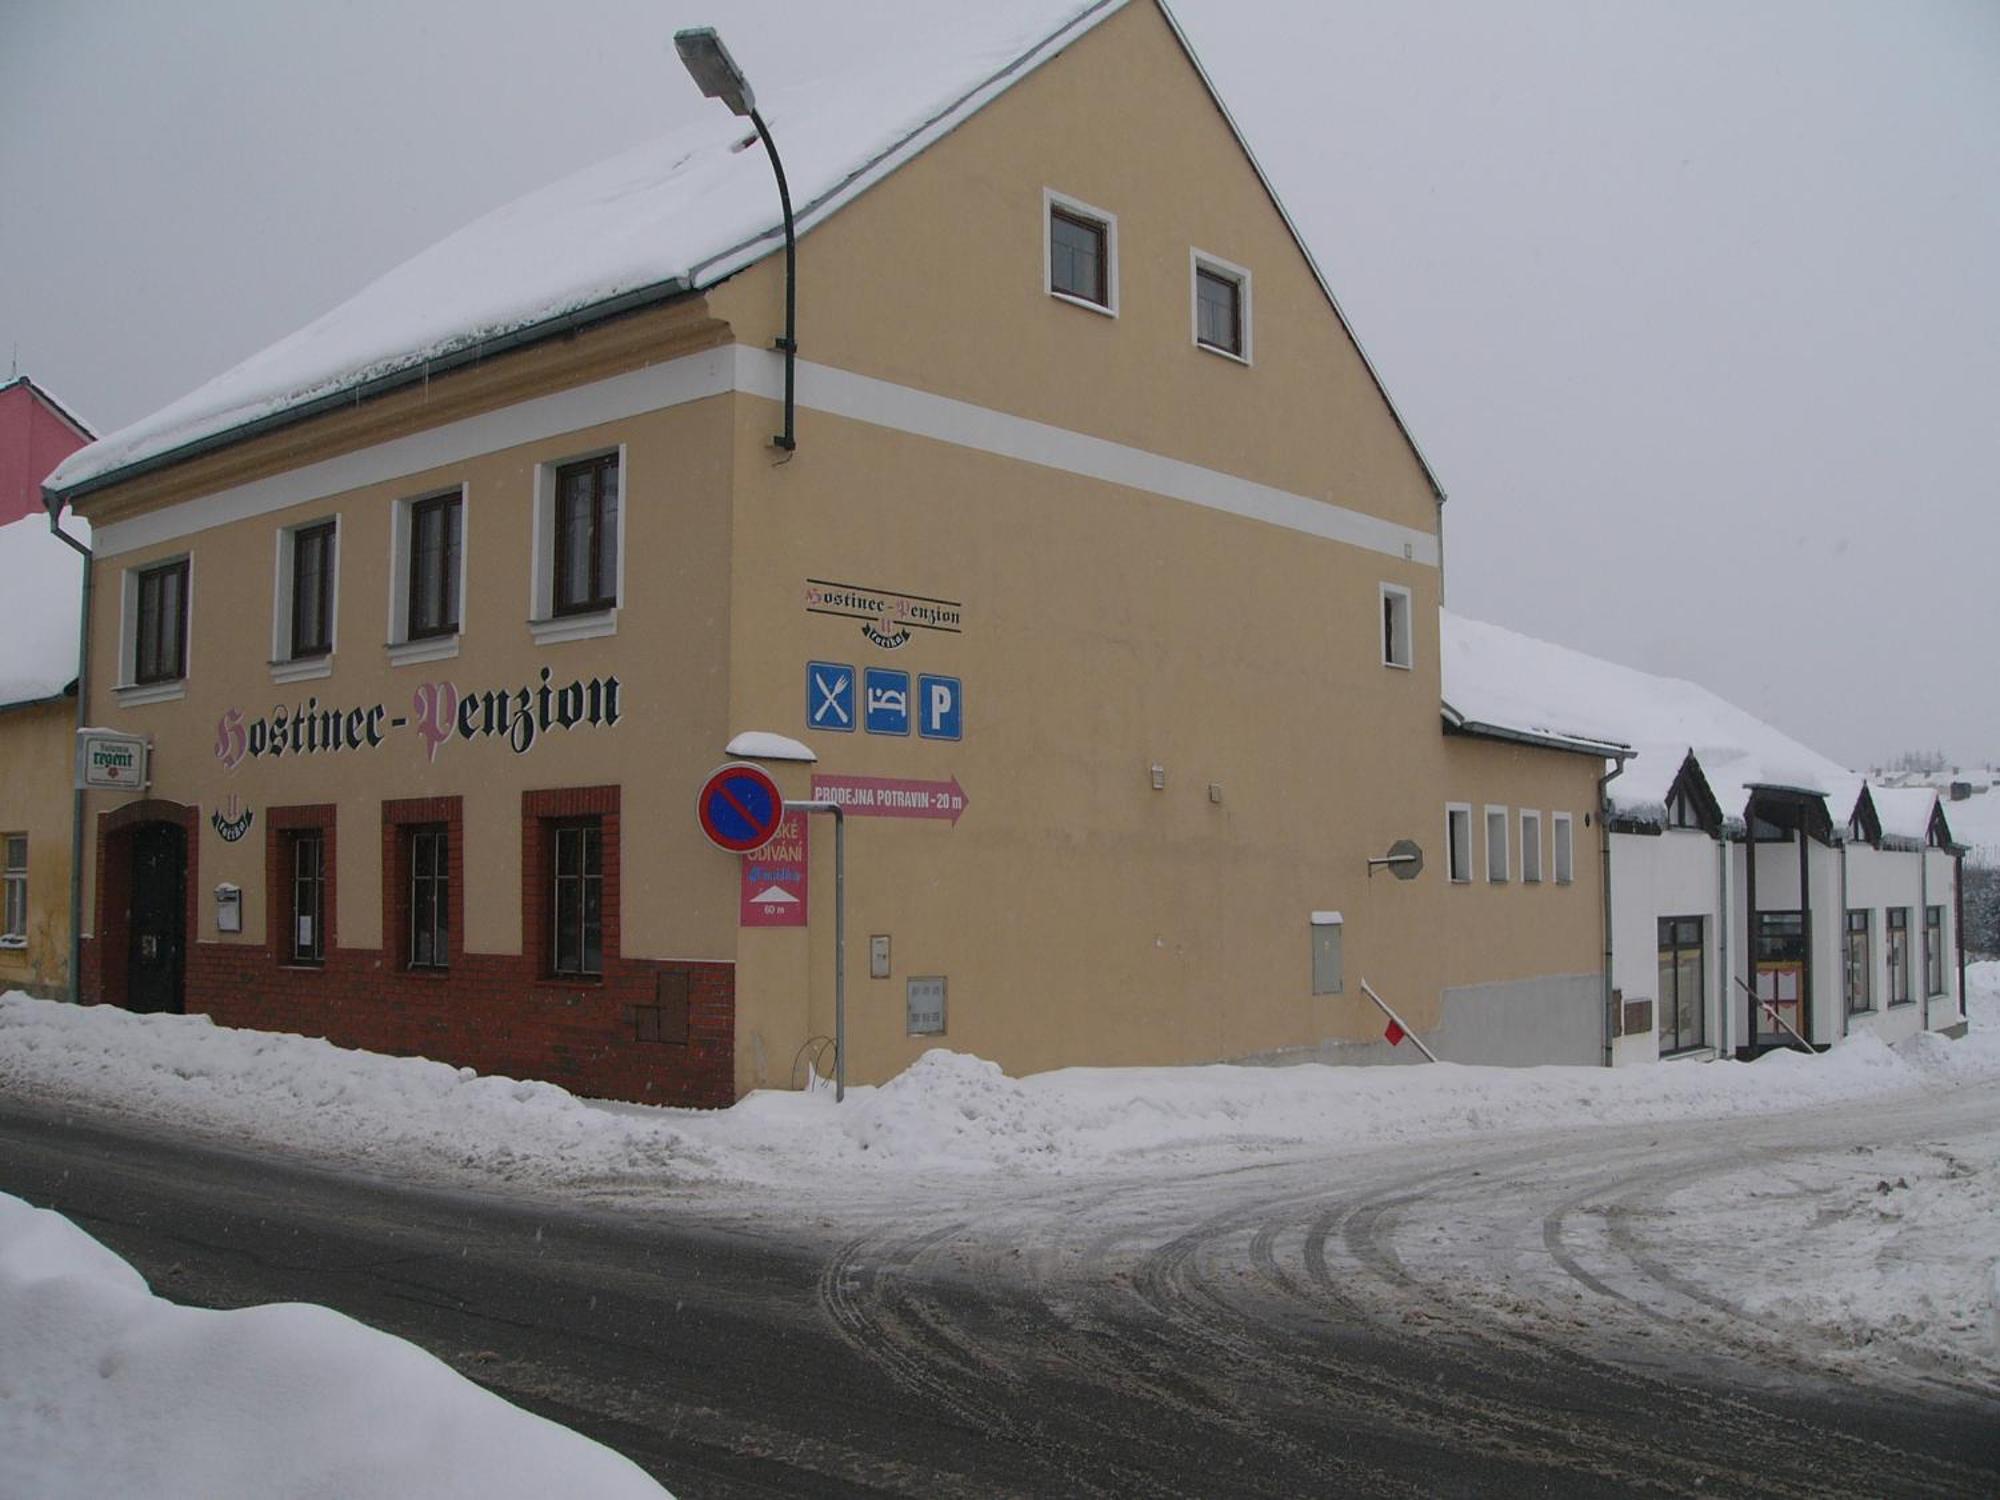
940, 708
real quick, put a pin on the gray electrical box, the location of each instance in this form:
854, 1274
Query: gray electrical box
1326, 930
924, 995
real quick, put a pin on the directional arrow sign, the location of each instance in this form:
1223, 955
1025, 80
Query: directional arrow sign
739, 807
892, 797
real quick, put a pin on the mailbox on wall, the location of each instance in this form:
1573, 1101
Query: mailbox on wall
228, 908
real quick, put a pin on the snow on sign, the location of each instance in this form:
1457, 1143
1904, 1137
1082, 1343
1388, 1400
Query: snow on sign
739, 807
892, 797
774, 879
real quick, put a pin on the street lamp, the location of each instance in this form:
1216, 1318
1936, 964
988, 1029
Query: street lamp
715, 73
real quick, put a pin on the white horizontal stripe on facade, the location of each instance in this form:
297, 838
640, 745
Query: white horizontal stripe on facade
842, 393
822, 388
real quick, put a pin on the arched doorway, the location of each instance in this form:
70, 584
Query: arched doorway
156, 960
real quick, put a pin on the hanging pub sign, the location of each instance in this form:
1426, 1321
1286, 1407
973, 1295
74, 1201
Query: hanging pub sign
107, 761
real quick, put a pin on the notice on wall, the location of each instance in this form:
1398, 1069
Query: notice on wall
774, 878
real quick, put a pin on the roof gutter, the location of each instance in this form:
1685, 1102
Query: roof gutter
1457, 723
570, 322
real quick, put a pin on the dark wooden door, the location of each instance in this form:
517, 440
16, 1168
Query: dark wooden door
159, 917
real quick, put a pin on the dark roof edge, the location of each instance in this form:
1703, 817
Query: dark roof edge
67, 692
381, 385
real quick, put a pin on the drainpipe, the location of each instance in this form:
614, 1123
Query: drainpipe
1846, 1009
54, 505
1924, 895
1722, 989
1958, 923
1604, 860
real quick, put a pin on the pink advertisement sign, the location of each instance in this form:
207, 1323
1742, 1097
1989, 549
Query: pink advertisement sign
774, 878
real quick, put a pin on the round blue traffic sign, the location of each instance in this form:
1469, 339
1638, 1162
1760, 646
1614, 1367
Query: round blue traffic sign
740, 808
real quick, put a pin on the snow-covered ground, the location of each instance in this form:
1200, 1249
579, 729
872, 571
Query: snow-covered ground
949, 1116
1889, 1242
106, 1390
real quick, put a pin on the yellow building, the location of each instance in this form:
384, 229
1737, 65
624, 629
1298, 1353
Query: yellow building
1102, 582
40, 579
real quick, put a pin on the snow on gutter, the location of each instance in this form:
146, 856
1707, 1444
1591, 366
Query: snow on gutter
368, 388
1456, 723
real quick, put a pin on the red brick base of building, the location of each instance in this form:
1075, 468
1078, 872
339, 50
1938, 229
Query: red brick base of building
653, 1033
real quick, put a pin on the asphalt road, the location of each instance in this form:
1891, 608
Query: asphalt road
1264, 1332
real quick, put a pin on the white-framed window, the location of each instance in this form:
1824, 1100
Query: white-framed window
13, 890
427, 545
1079, 253
156, 602
1559, 837
1397, 650
578, 578
1219, 294
1496, 844
1531, 847
1458, 841
306, 599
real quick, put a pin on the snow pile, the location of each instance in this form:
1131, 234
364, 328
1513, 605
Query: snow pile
109, 1390
308, 1095
948, 1115
42, 581
685, 211
1496, 676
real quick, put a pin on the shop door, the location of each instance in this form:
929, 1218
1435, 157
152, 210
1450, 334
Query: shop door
1781, 978
159, 917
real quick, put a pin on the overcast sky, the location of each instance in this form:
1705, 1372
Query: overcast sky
1693, 307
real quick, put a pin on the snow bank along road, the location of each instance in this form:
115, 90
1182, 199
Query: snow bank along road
1514, 1314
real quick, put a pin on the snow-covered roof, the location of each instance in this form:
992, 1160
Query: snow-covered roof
1499, 677
1905, 813
41, 582
677, 214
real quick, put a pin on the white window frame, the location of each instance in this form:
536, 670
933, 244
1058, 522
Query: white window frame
544, 624
129, 693
1531, 846
13, 892
1405, 631
1562, 860
1457, 861
1497, 813
403, 651
283, 667
1051, 199
1215, 265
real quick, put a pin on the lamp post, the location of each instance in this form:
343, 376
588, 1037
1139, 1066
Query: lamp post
715, 73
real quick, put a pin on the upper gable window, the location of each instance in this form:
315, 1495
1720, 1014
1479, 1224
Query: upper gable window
1080, 248
1221, 307
1396, 648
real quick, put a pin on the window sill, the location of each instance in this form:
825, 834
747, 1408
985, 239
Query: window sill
1902, 1004
423, 649
432, 974
136, 695
298, 966
305, 669
570, 981
1400, 666
1084, 302
13, 944
1229, 354
1690, 1054
561, 628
